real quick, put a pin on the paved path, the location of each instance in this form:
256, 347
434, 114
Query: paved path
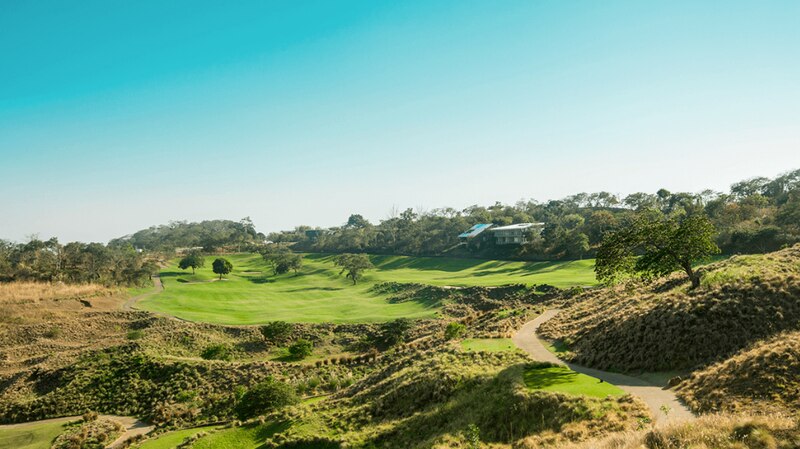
157, 288
133, 428
654, 396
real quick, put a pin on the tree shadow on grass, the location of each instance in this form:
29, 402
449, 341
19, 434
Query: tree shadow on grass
172, 274
425, 263
261, 280
321, 289
539, 377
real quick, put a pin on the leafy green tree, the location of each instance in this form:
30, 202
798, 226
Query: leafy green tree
295, 262
454, 329
357, 221
221, 266
354, 265
282, 259
654, 245
266, 397
301, 349
192, 260
277, 331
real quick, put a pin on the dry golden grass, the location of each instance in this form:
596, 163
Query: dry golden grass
49, 324
763, 378
31, 292
708, 432
39, 302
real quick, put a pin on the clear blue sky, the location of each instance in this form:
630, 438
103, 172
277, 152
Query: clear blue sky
118, 115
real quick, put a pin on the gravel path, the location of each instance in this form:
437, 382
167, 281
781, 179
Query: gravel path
653, 395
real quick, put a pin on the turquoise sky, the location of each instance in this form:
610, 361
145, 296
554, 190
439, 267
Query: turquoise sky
118, 115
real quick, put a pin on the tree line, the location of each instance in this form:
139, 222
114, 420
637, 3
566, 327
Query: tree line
755, 215
74, 262
210, 235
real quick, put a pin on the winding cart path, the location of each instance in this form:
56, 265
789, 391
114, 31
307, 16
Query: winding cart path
157, 288
653, 395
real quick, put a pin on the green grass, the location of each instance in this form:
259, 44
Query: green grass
171, 440
245, 437
31, 436
563, 380
488, 344
252, 295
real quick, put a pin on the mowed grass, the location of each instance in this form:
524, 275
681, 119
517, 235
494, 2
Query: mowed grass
171, 440
252, 295
246, 437
563, 380
31, 436
488, 344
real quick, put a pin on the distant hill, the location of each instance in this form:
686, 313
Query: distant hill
211, 235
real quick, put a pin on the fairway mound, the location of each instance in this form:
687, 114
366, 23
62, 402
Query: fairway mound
761, 379
666, 326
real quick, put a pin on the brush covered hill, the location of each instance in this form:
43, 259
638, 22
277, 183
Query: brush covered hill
724, 431
445, 398
666, 326
764, 377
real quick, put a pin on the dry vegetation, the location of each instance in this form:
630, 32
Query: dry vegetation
709, 432
432, 398
14, 293
763, 378
47, 325
76, 351
666, 326
92, 433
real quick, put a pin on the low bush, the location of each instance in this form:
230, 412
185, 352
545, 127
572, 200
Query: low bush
301, 349
92, 434
265, 397
277, 331
454, 330
216, 352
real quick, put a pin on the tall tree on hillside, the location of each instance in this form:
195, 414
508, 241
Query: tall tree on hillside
354, 265
221, 266
192, 260
653, 245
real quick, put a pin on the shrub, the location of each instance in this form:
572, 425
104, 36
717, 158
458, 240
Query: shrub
277, 331
216, 352
135, 334
394, 332
301, 349
53, 332
454, 330
265, 397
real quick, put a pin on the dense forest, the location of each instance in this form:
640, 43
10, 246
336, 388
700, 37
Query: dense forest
757, 215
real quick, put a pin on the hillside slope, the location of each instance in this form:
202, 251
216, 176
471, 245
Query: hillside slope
666, 326
763, 377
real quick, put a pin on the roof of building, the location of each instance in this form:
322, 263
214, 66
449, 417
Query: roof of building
475, 230
517, 226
